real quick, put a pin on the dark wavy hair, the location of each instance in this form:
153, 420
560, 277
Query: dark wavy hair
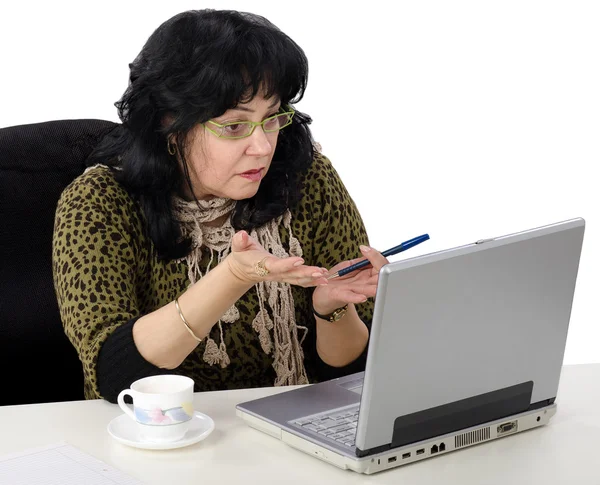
194, 67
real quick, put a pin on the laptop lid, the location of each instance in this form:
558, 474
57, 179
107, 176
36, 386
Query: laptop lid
468, 335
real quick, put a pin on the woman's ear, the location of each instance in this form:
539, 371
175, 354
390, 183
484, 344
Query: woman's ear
167, 121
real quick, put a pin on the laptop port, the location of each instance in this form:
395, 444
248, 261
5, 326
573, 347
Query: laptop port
391, 459
434, 449
505, 428
442, 447
421, 451
405, 456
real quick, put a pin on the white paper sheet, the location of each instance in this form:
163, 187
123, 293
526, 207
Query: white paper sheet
59, 464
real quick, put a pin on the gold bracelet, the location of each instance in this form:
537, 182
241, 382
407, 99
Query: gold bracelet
187, 325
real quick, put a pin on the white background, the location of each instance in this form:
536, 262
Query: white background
461, 119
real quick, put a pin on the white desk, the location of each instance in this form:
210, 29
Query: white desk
567, 451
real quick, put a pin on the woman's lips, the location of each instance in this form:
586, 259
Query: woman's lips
253, 175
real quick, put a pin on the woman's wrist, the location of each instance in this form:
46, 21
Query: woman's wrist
238, 276
333, 315
340, 343
326, 307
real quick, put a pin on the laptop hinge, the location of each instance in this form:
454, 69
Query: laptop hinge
457, 415
542, 404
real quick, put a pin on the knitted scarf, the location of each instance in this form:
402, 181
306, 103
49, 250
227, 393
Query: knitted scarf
275, 321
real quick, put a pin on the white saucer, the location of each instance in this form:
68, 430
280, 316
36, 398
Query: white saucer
125, 430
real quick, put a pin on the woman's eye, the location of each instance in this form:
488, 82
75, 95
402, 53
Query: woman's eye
272, 123
235, 128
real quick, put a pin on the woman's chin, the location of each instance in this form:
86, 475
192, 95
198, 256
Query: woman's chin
246, 193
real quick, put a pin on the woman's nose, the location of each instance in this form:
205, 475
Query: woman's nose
260, 142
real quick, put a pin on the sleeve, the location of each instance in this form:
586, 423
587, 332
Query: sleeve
120, 363
94, 270
337, 232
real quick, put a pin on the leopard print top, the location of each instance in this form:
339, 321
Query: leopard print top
107, 272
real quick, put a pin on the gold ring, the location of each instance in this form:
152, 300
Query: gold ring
260, 269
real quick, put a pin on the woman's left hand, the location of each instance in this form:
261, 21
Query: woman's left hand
355, 287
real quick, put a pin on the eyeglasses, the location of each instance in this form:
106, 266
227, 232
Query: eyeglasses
243, 129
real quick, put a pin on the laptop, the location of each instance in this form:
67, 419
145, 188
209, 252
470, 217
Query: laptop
466, 346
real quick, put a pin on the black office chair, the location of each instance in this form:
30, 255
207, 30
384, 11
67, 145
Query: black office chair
37, 161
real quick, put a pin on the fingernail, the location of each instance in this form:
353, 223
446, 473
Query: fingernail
317, 275
365, 249
299, 263
323, 284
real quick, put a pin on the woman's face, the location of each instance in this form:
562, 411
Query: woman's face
232, 168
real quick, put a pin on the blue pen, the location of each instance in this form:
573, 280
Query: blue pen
390, 252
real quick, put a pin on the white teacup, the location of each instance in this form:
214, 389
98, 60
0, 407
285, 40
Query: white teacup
162, 406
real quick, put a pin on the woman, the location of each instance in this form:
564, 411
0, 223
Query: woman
199, 239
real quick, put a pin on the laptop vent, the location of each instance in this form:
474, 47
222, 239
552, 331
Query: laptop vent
472, 437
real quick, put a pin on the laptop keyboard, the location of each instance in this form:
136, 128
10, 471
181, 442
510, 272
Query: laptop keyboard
338, 425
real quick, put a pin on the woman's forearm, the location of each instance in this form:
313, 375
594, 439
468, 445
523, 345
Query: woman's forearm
161, 336
339, 343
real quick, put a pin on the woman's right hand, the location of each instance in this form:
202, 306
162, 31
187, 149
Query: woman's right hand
246, 252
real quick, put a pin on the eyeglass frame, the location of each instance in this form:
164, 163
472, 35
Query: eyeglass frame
253, 125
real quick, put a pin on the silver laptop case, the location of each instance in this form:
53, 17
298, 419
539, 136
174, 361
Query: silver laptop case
487, 317
466, 345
